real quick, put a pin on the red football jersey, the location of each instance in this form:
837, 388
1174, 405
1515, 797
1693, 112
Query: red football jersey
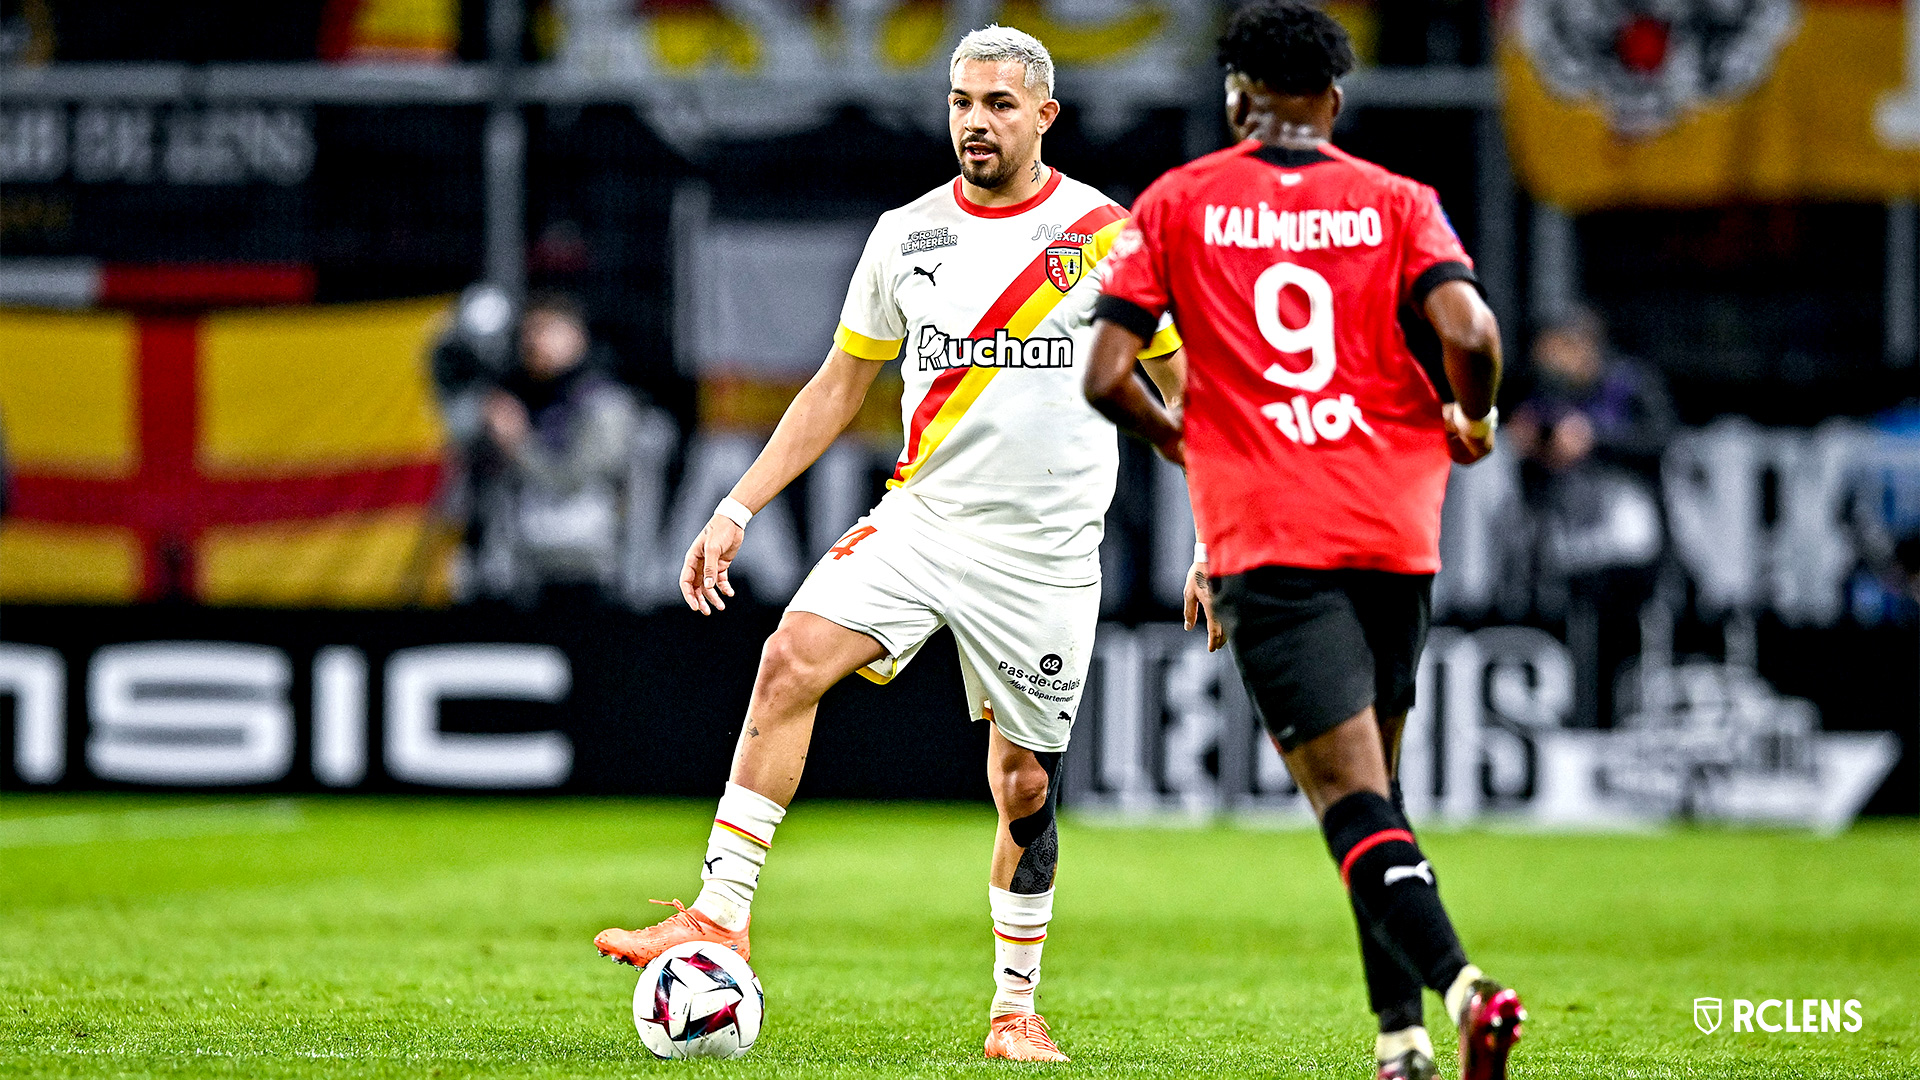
1313, 436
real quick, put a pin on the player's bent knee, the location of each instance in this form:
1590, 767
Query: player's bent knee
1344, 760
1032, 790
1021, 780
787, 672
1024, 792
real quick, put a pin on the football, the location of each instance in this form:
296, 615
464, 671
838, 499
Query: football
698, 999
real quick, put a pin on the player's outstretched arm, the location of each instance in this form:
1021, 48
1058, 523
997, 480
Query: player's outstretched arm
1470, 343
817, 415
1169, 374
1121, 396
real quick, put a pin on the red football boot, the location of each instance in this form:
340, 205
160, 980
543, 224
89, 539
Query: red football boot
1489, 1026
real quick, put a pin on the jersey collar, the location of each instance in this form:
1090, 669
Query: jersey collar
1289, 157
971, 207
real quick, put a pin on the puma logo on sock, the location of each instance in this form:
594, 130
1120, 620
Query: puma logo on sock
708, 863
1422, 871
1023, 977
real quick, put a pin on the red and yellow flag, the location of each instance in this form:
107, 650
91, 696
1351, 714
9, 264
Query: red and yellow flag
1801, 101
411, 31
282, 458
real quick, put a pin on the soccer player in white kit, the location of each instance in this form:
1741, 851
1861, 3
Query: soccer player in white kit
985, 289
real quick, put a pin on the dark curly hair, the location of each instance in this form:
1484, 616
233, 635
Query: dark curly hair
1292, 47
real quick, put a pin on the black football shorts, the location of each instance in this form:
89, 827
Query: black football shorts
1315, 647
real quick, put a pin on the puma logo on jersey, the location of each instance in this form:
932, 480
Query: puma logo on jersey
937, 351
1330, 418
929, 273
1305, 230
1397, 874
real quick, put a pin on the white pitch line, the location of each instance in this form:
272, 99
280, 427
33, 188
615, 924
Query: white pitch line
218, 819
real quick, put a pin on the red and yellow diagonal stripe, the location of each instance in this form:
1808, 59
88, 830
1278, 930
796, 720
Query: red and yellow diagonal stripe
277, 457
742, 833
1019, 309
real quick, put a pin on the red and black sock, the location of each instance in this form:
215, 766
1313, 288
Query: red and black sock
1393, 990
1395, 896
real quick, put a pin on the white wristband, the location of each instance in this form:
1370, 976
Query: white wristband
735, 511
1199, 551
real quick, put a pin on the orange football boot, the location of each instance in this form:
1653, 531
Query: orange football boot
638, 947
1022, 1037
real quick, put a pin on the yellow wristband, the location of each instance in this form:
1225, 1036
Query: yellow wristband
1486, 425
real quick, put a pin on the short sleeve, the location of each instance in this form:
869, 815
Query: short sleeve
1165, 340
1134, 290
1432, 251
871, 323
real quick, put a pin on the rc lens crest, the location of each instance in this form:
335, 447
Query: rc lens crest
1065, 264
1706, 1015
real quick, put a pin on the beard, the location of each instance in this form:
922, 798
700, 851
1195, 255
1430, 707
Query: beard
992, 174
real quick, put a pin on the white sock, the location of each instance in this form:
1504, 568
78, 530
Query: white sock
1389, 1045
1019, 931
736, 850
1456, 995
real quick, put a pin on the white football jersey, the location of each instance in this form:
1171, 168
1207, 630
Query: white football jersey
995, 308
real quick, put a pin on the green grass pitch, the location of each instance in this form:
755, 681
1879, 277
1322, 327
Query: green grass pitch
147, 936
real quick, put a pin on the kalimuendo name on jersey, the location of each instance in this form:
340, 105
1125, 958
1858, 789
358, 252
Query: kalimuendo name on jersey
938, 351
1305, 230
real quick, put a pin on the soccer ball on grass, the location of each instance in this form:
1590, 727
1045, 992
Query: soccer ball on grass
698, 999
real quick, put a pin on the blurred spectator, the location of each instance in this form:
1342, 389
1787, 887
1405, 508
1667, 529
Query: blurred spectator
1588, 404
1590, 434
551, 460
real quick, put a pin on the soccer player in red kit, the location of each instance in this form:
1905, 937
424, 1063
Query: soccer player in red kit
1317, 452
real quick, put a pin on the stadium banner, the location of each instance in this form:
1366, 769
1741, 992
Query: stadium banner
277, 456
590, 699
1168, 729
599, 699
1696, 104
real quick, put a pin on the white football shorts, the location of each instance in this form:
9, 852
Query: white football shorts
1024, 644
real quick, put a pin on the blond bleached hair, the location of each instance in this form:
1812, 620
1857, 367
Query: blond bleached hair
997, 44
